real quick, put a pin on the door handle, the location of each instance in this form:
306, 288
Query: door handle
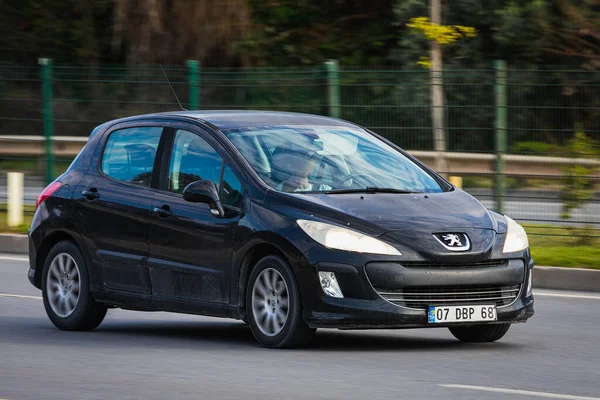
91, 194
163, 212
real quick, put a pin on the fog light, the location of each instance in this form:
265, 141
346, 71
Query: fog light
330, 285
529, 283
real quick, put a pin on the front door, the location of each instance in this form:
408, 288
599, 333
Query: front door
191, 247
114, 208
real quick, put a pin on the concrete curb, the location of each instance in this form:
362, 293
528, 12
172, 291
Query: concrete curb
15, 244
579, 279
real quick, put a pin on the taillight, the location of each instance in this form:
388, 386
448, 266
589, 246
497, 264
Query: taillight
47, 192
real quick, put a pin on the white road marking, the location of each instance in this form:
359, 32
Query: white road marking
9, 257
521, 392
20, 296
567, 295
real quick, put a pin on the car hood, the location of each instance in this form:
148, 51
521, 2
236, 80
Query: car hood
411, 221
386, 212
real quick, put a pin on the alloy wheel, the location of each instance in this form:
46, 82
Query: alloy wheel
63, 285
270, 302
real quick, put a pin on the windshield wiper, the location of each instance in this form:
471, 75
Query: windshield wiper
370, 189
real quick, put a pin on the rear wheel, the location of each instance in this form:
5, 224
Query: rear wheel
480, 333
274, 307
65, 290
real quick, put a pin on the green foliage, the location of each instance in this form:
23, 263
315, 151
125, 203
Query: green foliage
308, 32
541, 148
578, 180
289, 32
523, 32
32, 166
477, 182
561, 246
583, 236
69, 31
442, 34
445, 35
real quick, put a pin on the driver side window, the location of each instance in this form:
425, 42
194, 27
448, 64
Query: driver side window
193, 159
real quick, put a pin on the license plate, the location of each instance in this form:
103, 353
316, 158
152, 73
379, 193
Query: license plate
450, 314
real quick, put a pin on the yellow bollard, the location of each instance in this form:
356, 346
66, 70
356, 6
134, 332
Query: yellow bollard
456, 181
14, 184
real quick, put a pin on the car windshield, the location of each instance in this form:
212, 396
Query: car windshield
328, 160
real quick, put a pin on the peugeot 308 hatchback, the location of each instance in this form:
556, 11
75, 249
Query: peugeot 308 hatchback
290, 222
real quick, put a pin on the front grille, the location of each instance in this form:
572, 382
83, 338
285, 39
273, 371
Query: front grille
423, 297
427, 264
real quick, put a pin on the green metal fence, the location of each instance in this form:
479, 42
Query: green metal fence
499, 111
542, 105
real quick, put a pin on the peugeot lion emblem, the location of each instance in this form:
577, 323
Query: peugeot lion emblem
453, 241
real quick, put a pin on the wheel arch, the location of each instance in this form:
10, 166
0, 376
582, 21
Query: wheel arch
259, 247
47, 244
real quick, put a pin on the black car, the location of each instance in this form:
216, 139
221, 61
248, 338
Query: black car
290, 222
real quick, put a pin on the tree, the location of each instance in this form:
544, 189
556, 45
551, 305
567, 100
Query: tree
152, 31
579, 180
291, 32
578, 38
437, 88
69, 31
522, 32
438, 35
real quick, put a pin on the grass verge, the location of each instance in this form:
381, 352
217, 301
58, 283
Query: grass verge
562, 246
4, 228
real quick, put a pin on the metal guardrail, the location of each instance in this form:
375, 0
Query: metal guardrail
458, 163
35, 146
514, 164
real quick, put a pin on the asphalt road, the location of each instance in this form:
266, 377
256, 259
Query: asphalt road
136, 355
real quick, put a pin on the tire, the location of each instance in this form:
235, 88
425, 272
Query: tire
480, 333
265, 312
65, 290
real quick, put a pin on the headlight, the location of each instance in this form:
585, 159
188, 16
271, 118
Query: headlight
336, 237
516, 238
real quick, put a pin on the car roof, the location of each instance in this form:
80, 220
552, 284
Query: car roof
231, 119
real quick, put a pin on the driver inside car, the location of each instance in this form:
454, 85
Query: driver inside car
293, 169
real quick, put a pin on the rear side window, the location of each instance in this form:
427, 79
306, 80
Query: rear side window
129, 154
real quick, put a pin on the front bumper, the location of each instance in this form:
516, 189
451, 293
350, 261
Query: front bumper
364, 308
349, 313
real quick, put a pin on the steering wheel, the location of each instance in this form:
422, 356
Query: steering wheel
345, 178
290, 183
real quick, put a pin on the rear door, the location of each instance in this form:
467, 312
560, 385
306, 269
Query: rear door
114, 205
191, 247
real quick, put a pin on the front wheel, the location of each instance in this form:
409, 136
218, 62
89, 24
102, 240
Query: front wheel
65, 290
480, 333
274, 307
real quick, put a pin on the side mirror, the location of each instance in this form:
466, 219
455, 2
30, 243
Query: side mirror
204, 191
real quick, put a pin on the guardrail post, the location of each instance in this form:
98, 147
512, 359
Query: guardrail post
193, 84
46, 76
14, 183
333, 88
501, 126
